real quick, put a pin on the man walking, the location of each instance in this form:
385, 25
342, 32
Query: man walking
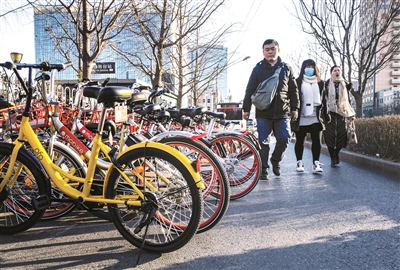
284, 106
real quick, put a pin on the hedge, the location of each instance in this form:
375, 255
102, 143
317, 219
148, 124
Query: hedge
378, 137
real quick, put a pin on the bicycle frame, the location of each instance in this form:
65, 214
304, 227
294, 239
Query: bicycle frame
57, 174
81, 148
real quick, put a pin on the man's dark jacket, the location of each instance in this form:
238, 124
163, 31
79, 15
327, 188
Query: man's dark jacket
287, 95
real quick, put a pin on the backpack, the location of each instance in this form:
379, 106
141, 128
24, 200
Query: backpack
266, 91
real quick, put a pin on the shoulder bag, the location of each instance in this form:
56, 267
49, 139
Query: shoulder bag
265, 91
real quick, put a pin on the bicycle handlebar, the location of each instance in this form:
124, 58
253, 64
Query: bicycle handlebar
45, 66
156, 92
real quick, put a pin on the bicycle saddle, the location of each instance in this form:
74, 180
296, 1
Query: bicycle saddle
149, 109
110, 94
193, 112
4, 103
137, 99
91, 91
220, 115
174, 114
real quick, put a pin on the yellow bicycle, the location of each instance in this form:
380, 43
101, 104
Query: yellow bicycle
153, 192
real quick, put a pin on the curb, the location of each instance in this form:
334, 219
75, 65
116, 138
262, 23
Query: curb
384, 167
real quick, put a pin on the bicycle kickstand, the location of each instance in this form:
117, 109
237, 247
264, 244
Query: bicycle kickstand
151, 207
141, 248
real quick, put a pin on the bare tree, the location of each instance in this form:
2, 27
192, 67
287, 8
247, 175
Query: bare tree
163, 28
349, 42
84, 28
14, 7
200, 60
310, 51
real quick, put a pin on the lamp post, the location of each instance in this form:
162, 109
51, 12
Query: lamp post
236, 62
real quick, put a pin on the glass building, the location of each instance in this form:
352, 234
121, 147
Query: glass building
46, 27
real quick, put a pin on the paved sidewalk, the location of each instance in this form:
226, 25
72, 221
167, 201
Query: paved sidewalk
344, 218
378, 165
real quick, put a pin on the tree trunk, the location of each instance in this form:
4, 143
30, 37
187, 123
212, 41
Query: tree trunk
359, 103
85, 42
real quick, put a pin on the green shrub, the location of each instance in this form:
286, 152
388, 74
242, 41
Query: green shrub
378, 137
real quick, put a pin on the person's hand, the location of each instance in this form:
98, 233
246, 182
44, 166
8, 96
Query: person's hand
294, 116
349, 86
246, 115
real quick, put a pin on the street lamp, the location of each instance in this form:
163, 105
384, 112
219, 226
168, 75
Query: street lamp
16, 57
237, 62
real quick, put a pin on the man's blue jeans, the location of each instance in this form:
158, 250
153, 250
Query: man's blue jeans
282, 133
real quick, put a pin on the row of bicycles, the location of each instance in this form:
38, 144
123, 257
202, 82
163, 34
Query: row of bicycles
160, 175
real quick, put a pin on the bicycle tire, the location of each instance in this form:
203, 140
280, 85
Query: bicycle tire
98, 210
216, 195
242, 162
17, 212
58, 209
180, 206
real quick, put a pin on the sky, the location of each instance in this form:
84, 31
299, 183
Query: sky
261, 20
256, 20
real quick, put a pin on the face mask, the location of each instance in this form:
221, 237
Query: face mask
309, 72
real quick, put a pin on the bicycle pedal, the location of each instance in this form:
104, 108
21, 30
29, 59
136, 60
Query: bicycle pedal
42, 202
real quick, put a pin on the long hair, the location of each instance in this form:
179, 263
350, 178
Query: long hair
309, 62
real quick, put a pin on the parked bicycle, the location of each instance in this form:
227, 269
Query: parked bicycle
215, 193
152, 190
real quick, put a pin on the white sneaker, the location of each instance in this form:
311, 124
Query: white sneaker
316, 167
300, 166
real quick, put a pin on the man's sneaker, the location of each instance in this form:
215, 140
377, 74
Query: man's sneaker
264, 175
333, 163
300, 166
276, 168
316, 167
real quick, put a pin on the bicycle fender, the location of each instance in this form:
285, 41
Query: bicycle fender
72, 153
31, 158
177, 133
174, 152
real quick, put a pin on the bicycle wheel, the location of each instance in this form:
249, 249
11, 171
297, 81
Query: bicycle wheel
177, 205
242, 162
217, 192
65, 204
23, 201
99, 210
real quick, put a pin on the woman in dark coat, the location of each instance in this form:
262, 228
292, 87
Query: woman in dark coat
338, 102
312, 113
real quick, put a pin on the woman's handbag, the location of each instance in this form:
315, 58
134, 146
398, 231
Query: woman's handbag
351, 132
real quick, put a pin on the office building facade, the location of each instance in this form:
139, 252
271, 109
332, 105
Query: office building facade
381, 95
